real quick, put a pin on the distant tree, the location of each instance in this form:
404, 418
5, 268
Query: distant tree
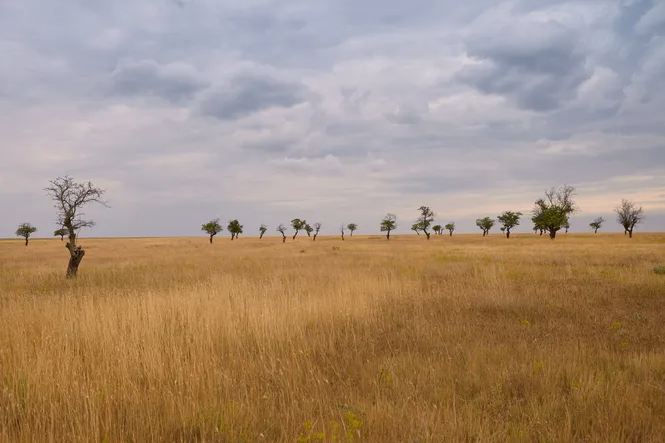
425, 220
437, 229
486, 224
629, 216
596, 224
282, 230
298, 225
351, 227
212, 228
308, 230
416, 228
25, 230
60, 233
342, 227
235, 228
389, 223
552, 212
317, 228
538, 223
262, 230
566, 225
450, 227
70, 197
509, 220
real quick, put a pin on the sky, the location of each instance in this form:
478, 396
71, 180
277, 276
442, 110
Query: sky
333, 111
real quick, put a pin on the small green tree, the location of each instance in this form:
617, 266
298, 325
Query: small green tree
437, 229
509, 220
389, 223
552, 212
629, 216
450, 227
25, 230
317, 228
309, 230
351, 227
262, 230
596, 224
60, 233
212, 228
485, 224
425, 220
298, 225
282, 230
416, 228
235, 228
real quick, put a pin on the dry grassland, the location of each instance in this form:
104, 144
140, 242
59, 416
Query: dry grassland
456, 339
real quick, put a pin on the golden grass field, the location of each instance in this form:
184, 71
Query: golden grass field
456, 339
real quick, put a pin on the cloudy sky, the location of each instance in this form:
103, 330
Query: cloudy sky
330, 110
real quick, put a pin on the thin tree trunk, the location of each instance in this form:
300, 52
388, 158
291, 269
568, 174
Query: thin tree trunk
261, 236
294, 235
314, 239
595, 231
552, 235
451, 234
630, 233
427, 234
388, 236
283, 238
62, 238
507, 234
26, 241
211, 239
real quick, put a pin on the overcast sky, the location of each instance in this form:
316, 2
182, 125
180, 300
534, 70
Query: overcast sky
331, 110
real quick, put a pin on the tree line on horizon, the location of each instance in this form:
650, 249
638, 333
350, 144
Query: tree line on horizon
551, 214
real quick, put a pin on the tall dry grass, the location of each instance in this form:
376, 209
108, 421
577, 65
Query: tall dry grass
455, 339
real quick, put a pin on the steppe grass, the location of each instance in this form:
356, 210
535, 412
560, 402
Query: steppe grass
455, 339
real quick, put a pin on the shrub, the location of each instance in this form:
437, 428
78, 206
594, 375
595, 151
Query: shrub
659, 269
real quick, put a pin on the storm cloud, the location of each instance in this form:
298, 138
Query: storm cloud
333, 111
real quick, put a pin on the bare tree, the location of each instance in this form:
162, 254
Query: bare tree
342, 227
70, 197
25, 230
629, 215
317, 228
282, 230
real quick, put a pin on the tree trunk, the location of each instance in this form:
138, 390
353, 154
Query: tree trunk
261, 236
484, 233
309, 234
351, 234
283, 238
451, 233
62, 238
294, 235
427, 234
630, 234
388, 235
314, 239
595, 231
507, 234
211, 239
26, 241
76, 254
342, 235
552, 235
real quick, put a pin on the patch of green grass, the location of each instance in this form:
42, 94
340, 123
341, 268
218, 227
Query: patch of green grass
659, 269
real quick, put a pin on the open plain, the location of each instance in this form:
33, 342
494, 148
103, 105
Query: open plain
459, 338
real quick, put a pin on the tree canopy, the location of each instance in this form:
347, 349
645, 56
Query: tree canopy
485, 224
25, 230
629, 216
212, 228
551, 213
235, 228
509, 220
389, 223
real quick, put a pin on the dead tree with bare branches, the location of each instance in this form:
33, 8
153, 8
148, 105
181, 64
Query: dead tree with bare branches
70, 197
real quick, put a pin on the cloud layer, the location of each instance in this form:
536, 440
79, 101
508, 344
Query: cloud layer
333, 111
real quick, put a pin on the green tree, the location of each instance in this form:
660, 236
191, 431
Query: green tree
450, 227
425, 220
351, 227
235, 228
308, 230
486, 224
596, 224
388, 224
437, 229
416, 228
25, 230
70, 197
60, 233
629, 216
262, 230
282, 230
509, 220
317, 228
552, 212
212, 228
298, 225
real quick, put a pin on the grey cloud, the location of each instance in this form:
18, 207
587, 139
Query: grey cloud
536, 65
247, 93
171, 81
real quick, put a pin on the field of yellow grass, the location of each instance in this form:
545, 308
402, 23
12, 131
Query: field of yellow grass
456, 339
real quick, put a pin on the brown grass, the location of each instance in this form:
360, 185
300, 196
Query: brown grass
456, 339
